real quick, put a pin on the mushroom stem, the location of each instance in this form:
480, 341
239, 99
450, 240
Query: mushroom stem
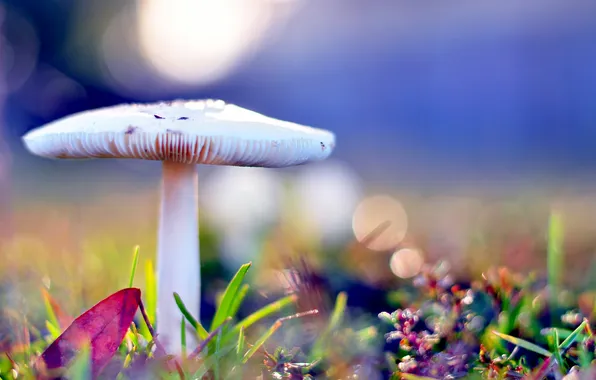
178, 256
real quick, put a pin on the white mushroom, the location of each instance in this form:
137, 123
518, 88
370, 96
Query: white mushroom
181, 134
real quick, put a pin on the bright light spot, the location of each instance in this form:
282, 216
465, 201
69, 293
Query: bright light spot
241, 198
241, 202
380, 223
238, 246
124, 68
328, 194
406, 263
199, 41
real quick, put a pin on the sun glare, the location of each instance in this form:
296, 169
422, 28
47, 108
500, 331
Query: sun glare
198, 41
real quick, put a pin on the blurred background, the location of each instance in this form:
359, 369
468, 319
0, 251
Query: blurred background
460, 126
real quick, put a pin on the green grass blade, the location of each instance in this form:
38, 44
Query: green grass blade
203, 334
563, 333
225, 307
150, 291
241, 343
338, 311
237, 302
81, 366
557, 351
513, 314
183, 336
135, 260
53, 330
52, 319
133, 270
211, 360
260, 314
585, 357
237, 369
150, 295
334, 322
207, 341
259, 343
134, 335
573, 336
523, 344
216, 371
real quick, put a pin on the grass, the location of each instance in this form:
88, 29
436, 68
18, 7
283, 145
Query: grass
501, 324
448, 329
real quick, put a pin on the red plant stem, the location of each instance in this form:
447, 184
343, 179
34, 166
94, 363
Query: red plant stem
179, 370
298, 315
150, 328
11, 360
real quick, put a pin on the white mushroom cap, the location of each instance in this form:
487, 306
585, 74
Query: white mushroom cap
199, 132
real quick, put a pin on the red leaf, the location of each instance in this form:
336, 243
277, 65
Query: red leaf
103, 327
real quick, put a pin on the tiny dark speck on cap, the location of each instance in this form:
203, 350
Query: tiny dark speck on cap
158, 117
183, 118
130, 130
323, 147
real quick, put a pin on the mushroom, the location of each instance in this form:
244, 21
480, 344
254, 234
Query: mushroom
181, 134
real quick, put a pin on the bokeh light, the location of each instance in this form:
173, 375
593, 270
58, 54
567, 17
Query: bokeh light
198, 41
240, 203
123, 67
238, 197
406, 262
328, 194
380, 222
239, 246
